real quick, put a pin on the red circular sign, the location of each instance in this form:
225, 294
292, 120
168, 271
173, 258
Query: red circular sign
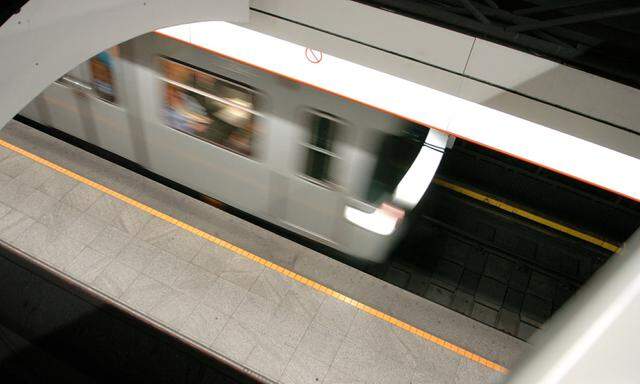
313, 55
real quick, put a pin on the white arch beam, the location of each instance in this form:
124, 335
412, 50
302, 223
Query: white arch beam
49, 37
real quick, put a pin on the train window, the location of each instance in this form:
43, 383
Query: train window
210, 108
102, 79
320, 147
396, 154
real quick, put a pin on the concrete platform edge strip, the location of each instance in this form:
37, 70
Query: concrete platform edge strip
295, 276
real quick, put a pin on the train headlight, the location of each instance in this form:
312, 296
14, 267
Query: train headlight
382, 220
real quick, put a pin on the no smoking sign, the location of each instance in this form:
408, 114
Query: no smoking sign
313, 55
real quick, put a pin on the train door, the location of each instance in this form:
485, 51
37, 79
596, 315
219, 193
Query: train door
87, 103
315, 197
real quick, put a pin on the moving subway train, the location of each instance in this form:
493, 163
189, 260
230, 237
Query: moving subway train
332, 170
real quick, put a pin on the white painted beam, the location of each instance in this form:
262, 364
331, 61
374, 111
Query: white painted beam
49, 37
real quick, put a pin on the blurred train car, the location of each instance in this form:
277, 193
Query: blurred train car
330, 169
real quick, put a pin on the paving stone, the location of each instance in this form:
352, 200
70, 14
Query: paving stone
535, 309
471, 372
485, 231
520, 277
463, 303
559, 261
513, 300
469, 282
58, 185
418, 283
336, 315
541, 285
304, 369
586, 269
224, 296
115, 278
526, 248
508, 321
525, 330
447, 274
269, 359
397, 277
320, 342
491, 292
236, 340
484, 314
476, 261
204, 324
506, 240
457, 251
562, 294
15, 165
499, 268
82, 197
439, 295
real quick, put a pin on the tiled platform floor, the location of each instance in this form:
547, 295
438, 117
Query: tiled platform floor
253, 315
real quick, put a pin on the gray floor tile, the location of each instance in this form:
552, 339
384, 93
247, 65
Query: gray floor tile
36, 204
320, 342
4, 209
57, 185
174, 308
145, 293
163, 267
213, 258
5, 153
82, 197
288, 322
13, 224
204, 324
131, 220
335, 376
304, 369
106, 208
236, 341
35, 175
307, 298
84, 229
224, 296
138, 254
357, 357
171, 238
193, 280
470, 372
14, 192
88, 265
270, 359
435, 364
272, 285
336, 315
255, 312
114, 279
110, 241
34, 239
241, 271
62, 252
379, 336
15, 165
60, 216
4, 179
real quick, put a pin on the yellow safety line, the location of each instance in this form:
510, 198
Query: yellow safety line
299, 278
528, 215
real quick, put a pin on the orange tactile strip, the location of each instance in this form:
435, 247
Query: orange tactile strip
303, 280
